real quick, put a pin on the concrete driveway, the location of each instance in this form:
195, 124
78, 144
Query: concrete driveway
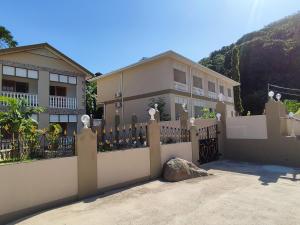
237, 193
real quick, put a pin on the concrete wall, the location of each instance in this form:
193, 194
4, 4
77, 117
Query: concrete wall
31, 184
122, 167
246, 127
181, 150
277, 148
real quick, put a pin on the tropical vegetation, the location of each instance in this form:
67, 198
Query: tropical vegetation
270, 55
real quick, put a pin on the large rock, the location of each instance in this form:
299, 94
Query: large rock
177, 169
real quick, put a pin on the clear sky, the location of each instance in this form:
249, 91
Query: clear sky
105, 35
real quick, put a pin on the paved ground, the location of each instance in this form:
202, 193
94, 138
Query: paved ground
237, 193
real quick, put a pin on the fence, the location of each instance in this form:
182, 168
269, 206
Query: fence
17, 149
171, 132
130, 136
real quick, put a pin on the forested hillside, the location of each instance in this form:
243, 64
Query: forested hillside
270, 55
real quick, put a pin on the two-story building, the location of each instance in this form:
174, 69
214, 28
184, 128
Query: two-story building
45, 77
173, 77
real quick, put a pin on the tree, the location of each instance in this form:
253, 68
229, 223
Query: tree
16, 119
207, 114
235, 74
292, 105
6, 38
91, 94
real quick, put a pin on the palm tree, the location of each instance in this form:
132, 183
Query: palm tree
6, 39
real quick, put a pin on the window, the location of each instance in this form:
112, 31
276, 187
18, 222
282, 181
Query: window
53, 77
197, 82
22, 87
229, 92
8, 70
58, 91
21, 72
211, 86
63, 79
33, 74
54, 118
222, 89
198, 111
8, 85
179, 76
72, 118
72, 80
13, 86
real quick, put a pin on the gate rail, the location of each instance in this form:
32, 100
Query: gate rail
208, 144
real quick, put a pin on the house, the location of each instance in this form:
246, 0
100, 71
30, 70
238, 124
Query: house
170, 76
45, 77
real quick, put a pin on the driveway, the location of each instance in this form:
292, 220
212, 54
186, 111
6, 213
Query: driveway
237, 193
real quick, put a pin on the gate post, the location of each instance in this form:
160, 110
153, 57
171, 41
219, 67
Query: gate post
154, 146
86, 151
195, 143
221, 127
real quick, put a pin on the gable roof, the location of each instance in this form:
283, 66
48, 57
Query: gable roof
52, 50
173, 55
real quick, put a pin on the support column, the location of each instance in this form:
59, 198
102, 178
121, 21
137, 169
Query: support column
86, 151
154, 145
43, 98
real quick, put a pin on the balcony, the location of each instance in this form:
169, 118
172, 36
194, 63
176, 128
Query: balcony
60, 102
198, 91
31, 99
180, 86
212, 95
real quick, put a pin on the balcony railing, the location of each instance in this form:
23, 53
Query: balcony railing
212, 95
180, 87
31, 99
198, 91
60, 102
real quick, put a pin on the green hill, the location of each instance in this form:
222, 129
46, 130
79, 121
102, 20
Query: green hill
270, 55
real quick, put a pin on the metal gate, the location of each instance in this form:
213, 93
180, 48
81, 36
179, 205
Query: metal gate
208, 144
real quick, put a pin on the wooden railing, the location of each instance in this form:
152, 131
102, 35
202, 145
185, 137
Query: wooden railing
31, 99
62, 102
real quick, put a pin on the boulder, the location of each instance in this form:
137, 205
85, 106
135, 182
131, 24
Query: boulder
177, 169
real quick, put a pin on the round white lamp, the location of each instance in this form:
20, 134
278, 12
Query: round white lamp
271, 94
192, 121
152, 113
278, 96
218, 115
85, 119
221, 97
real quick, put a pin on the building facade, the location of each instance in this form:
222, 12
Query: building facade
45, 77
168, 76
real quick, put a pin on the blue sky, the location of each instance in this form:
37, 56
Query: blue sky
105, 35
